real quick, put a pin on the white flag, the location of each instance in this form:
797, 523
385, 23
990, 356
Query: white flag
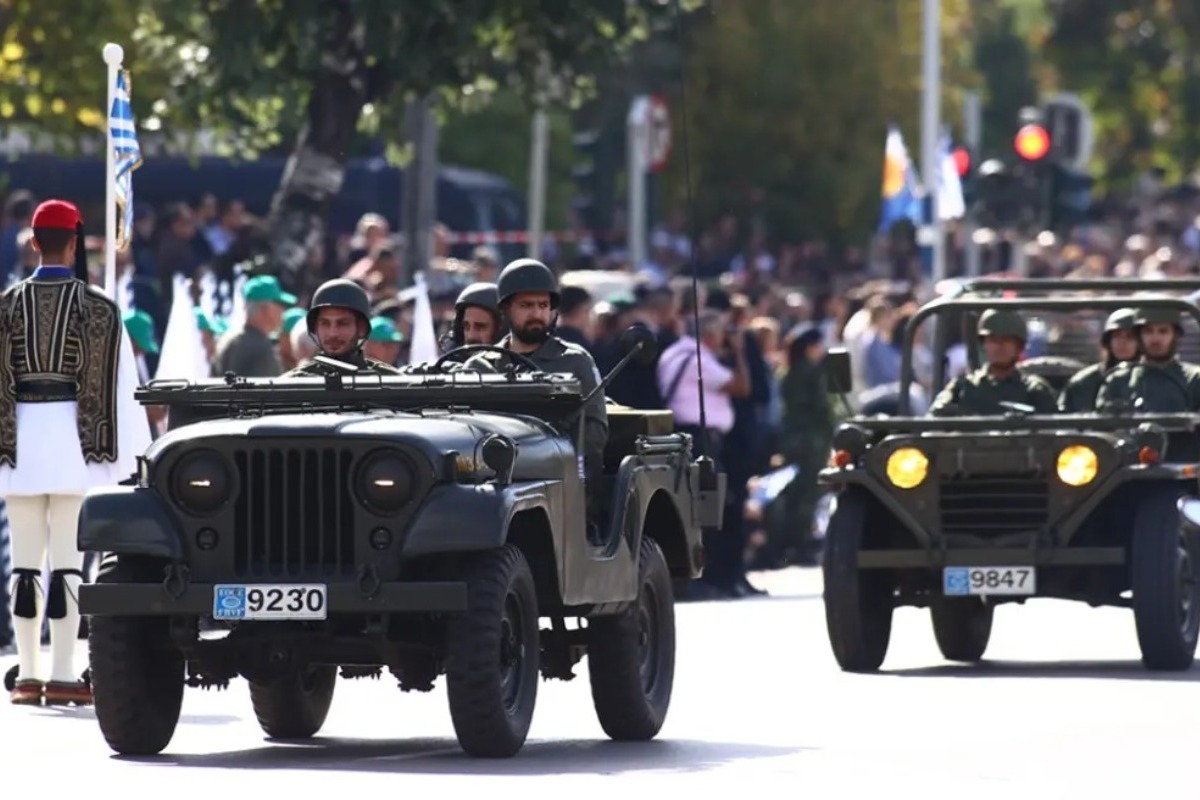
182, 355
950, 192
424, 335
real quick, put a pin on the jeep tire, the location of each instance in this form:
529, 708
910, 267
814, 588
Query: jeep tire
1166, 593
858, 602
295, 705
493, 656
962, 627
137, 673
631, 655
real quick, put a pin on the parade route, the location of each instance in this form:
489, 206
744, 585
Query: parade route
1061, 709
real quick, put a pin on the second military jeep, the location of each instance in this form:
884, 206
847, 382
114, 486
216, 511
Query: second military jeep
961, 514
421, 525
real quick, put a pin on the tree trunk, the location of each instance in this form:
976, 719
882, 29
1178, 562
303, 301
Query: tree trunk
314, 173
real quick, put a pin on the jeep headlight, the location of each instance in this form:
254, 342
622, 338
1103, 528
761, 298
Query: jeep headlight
200, 482
1077, 465
907, 467
386, 481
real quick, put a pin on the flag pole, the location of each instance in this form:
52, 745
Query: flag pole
114, 55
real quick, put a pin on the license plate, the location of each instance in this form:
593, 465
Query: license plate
270, 601
965, 581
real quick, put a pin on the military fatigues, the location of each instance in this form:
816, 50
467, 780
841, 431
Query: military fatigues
980, 393
341, 293
1162, 388
1079, 395
359, 360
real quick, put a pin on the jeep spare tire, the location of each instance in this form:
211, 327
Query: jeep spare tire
493, 656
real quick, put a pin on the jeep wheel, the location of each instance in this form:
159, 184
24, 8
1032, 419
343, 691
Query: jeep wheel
492, 656
962, 627
858, 603
1166, 595
631, 655
137, 674
294, 706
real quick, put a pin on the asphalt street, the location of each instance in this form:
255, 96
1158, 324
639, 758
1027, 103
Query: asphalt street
1061, 709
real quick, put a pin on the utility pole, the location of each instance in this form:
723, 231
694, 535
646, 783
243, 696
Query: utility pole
972, 135
931, 87
418, 211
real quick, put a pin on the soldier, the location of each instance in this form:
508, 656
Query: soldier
1000, 380
1119, 343
476, 316
68, 423
340, 322
528, 299
1159, 382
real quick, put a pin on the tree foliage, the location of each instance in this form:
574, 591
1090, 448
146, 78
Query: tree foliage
794, 98
1137, 63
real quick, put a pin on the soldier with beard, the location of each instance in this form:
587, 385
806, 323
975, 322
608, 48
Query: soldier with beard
1004, 335
1120, 343
340, 322
1158, 383
528, 301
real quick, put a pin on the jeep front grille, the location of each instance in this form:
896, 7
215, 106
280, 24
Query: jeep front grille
295, 513
993, 505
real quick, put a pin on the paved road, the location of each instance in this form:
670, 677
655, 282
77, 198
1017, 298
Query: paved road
1062, 710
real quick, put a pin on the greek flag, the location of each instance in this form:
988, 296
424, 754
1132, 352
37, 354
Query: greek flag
127, 156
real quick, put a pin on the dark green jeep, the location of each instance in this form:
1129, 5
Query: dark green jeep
961, 514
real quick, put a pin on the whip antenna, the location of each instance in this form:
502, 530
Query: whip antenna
691, 213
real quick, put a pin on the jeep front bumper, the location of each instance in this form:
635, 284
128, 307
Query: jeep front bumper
196, 599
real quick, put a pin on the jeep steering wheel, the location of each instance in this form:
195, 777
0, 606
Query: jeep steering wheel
486, 348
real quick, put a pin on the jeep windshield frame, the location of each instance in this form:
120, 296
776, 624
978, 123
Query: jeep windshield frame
541, 394
973, 302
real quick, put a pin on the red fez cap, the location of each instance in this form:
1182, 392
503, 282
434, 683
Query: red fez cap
56, 214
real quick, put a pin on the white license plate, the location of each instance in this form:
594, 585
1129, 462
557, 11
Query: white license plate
964, 581
270, 601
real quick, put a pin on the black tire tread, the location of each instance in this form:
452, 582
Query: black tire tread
1153, 580
962, 627
624, 710
285, 711
859, 641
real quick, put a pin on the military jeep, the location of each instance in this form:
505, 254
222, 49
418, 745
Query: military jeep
424, 524
961, 514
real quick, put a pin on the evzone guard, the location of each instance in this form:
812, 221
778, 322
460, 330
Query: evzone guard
68, 422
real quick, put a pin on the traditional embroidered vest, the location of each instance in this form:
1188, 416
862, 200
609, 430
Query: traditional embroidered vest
59, 340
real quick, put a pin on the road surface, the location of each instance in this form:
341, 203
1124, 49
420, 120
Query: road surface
1062, 709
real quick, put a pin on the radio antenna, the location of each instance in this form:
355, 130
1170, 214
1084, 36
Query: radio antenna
681, 44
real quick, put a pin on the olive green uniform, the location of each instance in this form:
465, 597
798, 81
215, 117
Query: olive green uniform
980, 393
364, 364
807, 429
1165, 388
1079, 395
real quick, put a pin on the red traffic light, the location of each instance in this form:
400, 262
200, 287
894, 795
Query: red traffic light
962, 161
1032, 142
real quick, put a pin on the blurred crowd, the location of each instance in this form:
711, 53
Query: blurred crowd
761, 315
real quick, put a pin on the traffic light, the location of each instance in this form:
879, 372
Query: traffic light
1070, 198
1032, 171
995, 201
964, 166
1069, 123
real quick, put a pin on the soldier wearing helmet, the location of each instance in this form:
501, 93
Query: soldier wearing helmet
1004, 335
339, 320
528, 299
476, 316
1158, 382
1119, 342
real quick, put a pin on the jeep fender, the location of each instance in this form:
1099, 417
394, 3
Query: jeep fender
656, 499
128, 520
461, 518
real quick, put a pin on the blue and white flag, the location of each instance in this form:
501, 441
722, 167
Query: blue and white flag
127, 156
901, 189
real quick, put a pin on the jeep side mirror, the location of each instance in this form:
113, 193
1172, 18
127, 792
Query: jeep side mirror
640, 340
837, 370
1189, 511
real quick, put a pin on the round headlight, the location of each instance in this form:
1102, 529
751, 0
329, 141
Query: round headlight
200, 482
907, 467
1077, 465
386, 482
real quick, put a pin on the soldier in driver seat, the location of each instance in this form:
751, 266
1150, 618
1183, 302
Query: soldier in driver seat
981, 392
1159, 382
528, 301
339, 320
476, 318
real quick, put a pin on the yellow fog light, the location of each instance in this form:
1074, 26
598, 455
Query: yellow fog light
1077, 465
907, 467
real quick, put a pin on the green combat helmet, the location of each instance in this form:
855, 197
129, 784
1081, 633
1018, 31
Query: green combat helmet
527, 275
1003, 323
1160, 316
339, 293
1123, 319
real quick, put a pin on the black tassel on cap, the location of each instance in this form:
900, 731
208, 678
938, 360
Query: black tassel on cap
25, 593
81, 262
